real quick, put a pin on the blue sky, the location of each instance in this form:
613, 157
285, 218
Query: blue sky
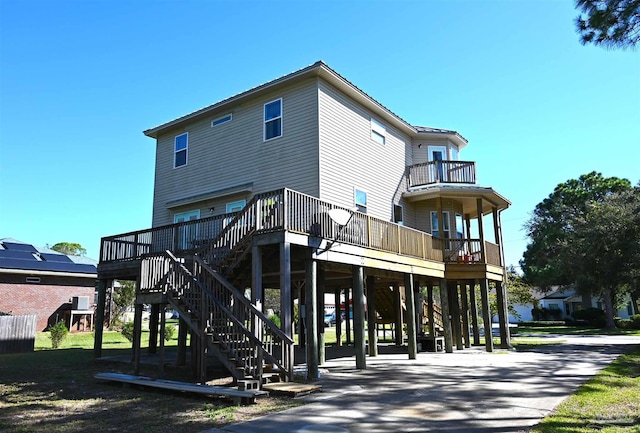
80, 80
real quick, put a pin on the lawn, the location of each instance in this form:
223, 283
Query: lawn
55, 391
608, 403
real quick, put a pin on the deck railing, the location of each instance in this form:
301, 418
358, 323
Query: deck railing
283, 209
469, 251
432, 172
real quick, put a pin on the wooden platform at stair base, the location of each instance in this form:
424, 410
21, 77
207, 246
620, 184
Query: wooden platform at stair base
293, 389
238, 396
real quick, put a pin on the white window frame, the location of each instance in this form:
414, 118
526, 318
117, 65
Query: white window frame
362, 207
265, 120
240, 204
378, 132
460, 229
185, 150
221, 120
446, 222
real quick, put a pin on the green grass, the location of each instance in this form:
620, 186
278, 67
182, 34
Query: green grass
608, 403
574, 330
54, 390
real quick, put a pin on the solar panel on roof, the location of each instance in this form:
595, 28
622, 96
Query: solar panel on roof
12, 246
56, 258
19, 255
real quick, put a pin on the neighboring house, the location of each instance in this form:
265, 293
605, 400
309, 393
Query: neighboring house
46, 283
309, 185
567, 301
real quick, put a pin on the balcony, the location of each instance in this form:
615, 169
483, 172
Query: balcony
433, 172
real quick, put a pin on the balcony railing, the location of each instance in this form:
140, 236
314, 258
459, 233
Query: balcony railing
281, 210
442, 172
469, 251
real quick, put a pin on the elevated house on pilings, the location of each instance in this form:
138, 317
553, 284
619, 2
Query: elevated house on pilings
308, 185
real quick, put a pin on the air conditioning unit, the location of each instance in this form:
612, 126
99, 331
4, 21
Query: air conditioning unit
80, 303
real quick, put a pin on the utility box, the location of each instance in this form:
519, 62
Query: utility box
80, 303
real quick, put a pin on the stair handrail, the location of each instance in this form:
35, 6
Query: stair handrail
286, 365
262, 213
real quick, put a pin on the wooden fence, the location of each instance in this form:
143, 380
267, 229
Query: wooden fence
17, 334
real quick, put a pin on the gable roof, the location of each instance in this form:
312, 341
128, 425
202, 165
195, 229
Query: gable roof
22, 258
318, 69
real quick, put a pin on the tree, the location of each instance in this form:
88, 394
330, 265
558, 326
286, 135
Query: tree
518, 293
68, 248
579, 237
123, 298
610, 23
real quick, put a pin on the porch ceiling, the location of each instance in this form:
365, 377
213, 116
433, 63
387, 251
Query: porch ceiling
464, 194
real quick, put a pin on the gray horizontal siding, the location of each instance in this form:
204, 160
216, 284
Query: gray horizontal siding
350, 158
234, 153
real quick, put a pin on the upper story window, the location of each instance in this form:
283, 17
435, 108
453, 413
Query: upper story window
360, 199
398, 216
273, 119
435, 229
454, 153
221, 120
180, 150
378, 131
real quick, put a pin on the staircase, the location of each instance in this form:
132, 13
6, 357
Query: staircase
222, 319
385, 307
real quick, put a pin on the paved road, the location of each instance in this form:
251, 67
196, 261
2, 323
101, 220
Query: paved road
467, 391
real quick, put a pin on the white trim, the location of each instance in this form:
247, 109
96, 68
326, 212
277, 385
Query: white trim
186, 150
186, 215
222, 120
264, 121
401, 222
443, 149
240, 203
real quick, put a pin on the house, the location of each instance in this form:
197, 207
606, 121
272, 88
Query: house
565, 301
51, 285
308, 185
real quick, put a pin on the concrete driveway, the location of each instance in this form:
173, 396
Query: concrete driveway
467, 391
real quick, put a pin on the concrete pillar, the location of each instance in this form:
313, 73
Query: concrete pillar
411, 316
486, 315
371, 316
358, 316
311, 322
446, 318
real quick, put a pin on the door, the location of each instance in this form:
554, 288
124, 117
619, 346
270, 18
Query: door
438, 154
187, 233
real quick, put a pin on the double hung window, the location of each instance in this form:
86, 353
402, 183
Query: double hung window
273, 119
180, 149
378, 131
360, 199
435, 229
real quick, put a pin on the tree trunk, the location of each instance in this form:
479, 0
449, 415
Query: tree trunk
634, 302
608, 308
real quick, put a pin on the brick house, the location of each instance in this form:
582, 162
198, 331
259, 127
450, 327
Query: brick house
46, 283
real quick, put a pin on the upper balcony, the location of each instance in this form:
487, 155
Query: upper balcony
433, 172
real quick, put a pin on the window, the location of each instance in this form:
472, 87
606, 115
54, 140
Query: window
397, 214
360, 200
435, 231
33, 280
236, 206
554, 306
273, 119
454, 153
378, 131
459, 226
221, 120
180, 150
187, 233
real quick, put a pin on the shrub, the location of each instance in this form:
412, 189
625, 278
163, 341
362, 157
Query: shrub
631, 323
275, 319
127, 331
169, 332
592, 316
57, 334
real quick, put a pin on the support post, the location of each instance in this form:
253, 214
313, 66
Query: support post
371, 316
503, 315
99, 327
464, 296
432, 325
338, 314
181, 355
358, 316
446, 318
257, 292
137, 336
348, 308
310, 318
454, 307
397, 297
483, 256
486, 315
286, 303
474, 313
320, 315
411, 316
163, 324
153, 328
